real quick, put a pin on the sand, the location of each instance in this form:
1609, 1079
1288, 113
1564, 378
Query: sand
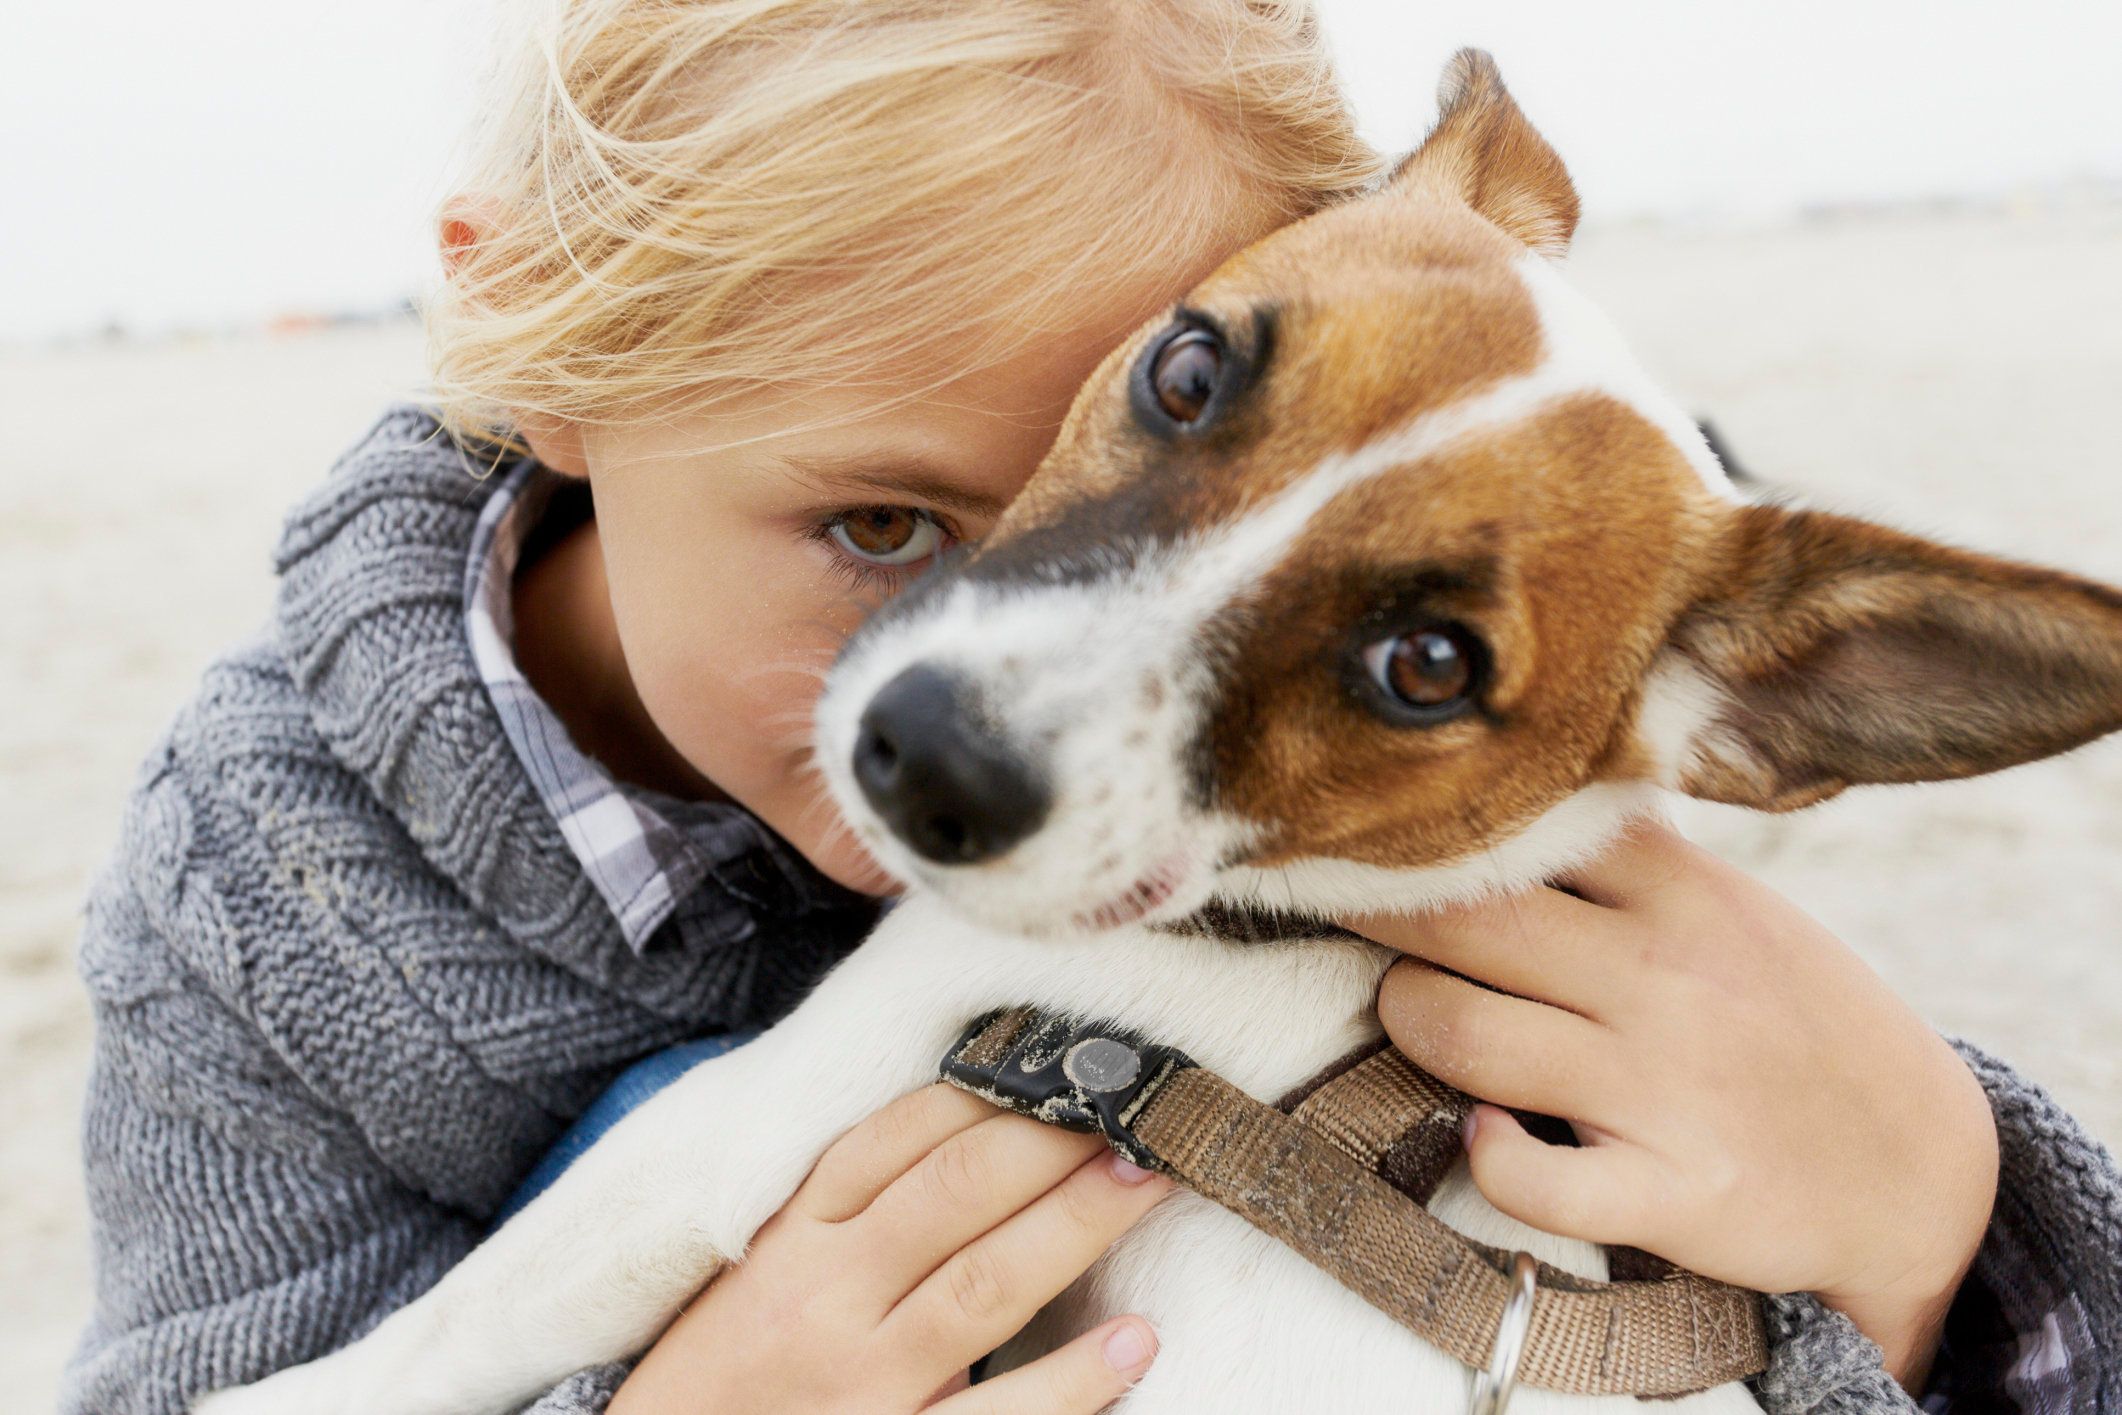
1950, 371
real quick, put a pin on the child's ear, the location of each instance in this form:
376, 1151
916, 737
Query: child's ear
1838, 653
466, 222
1483, 152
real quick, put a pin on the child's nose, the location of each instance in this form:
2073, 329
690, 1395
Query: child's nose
945, 783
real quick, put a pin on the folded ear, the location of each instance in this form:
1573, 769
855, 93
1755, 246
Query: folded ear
1485, 153
1838, 653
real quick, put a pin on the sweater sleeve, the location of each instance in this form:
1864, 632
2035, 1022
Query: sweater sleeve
584, 1393
2037, 1325
1820, 1364
241, 1222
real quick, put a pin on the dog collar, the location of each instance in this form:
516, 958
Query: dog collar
1341, 1171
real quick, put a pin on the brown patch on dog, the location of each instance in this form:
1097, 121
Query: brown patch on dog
1568, 543
1851, 654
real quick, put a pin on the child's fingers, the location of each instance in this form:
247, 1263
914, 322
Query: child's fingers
1079, 1379
1506, 1049
989, 1289
1601, 1193
862, 1163
963, 1188
1539, 943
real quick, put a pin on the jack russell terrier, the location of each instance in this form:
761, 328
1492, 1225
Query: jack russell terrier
1376, 577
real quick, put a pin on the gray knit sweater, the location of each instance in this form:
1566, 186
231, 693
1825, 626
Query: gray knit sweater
350, 983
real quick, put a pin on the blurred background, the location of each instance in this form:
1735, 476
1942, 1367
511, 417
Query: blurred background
1879, 242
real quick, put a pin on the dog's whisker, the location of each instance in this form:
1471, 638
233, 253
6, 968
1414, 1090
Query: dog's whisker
793, 738
786, 668
801, 717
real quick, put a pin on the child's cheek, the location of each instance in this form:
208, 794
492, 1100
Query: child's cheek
728, 660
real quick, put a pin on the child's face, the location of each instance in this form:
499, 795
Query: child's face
735, 574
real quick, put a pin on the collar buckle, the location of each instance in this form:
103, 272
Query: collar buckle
1083, 1076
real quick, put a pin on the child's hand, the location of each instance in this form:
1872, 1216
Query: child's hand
1753, 1103
923, 1239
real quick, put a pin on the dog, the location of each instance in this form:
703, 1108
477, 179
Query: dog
1376, 577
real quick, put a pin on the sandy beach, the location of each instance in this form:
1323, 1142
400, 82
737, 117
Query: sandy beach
1953, 372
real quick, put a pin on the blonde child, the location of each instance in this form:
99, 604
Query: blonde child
753, 308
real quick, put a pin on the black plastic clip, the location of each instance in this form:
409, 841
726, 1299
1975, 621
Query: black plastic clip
1088, 1076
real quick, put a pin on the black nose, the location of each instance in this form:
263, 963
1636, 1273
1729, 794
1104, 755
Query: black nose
944, 783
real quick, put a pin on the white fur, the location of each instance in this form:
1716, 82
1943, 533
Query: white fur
1680, 710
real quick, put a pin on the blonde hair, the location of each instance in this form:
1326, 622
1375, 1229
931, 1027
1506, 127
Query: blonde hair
700, 197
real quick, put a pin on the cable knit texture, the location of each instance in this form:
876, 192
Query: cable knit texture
1821, 1363
350, 983
349, 980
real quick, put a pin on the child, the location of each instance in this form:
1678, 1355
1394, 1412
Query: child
754, 307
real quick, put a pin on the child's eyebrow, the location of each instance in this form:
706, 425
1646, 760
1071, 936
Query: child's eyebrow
892, 476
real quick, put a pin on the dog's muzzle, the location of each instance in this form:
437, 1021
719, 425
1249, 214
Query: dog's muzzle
939, 778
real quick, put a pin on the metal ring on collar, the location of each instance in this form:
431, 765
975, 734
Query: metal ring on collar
1493, 1387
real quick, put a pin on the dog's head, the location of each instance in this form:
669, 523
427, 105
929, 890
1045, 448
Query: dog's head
1378, 574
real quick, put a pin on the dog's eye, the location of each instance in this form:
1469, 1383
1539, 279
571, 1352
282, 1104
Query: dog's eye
1183, 374
1432, 672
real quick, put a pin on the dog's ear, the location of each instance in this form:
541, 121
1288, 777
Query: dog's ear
1484, 153
1837, 653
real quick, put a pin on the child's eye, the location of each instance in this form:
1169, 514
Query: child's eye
891, 536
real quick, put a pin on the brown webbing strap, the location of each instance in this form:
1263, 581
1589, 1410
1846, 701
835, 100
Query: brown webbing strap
1389, 1116
1392, 1117
1671, 1336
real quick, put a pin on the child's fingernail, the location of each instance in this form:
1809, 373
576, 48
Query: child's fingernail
1129, 1347
1127, 1172
1468, 1126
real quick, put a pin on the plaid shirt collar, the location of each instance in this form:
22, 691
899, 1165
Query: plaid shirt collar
645, 853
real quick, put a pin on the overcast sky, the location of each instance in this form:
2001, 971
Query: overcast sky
220, 161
